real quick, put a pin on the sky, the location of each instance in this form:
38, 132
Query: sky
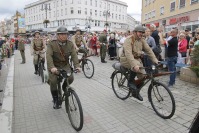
9, 7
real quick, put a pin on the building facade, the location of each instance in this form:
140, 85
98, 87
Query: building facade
92, 15
169, 14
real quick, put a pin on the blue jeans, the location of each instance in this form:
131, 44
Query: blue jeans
147, 63
172, 68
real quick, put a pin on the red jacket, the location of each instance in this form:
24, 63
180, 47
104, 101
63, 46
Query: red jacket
182, 45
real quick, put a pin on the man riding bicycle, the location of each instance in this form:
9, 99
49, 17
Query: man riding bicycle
58, 52
38, 47
134, 46
77, 40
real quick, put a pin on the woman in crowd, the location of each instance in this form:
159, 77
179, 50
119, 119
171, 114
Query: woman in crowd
182, 48
94, 44
112, 47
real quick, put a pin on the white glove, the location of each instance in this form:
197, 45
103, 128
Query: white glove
53, 70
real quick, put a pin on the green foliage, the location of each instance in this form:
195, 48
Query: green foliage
196, 70
195, 56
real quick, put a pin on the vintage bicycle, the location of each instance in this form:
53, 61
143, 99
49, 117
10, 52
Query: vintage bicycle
72, 102
159, 95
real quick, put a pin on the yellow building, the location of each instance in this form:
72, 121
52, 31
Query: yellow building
171, 13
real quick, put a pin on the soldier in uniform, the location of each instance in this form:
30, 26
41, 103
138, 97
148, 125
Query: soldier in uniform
103, 46
134, 46
58, 52
77, 40
38, 47
21, 47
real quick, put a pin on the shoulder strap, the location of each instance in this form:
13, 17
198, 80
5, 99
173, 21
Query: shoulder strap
61, 51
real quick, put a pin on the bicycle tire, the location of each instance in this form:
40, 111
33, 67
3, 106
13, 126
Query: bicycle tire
42, 73
114, 76
157, 93
68, 110
39, 69
84, 63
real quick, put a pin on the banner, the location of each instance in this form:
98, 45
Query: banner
21, 22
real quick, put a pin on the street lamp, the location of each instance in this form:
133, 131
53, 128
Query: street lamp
106, 13
46, 7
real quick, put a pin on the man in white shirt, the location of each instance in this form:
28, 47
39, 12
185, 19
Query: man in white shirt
119, 45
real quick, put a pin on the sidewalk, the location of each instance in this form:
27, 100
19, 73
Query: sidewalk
103, 112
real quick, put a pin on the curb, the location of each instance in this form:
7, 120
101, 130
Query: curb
6, 114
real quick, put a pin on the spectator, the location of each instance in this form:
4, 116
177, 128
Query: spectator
172, 56
151, 42
182, 48
157, 39
112, 47
94, 44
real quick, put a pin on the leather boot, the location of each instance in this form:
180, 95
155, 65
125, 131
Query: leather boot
36, 69
133, 87
103, 61
43, 63
56, 103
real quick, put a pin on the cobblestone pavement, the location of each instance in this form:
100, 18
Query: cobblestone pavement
103, 112
3, 77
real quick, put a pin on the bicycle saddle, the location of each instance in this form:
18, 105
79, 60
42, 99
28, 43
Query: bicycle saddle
119, 67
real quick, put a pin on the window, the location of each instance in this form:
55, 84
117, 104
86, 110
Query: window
79, 1
95, 22
57, 3
90, 12
49, 14
194, 1
91, 2
71, 2
66, 2
172, 6
95, 12
85, 2
112, 15
57, 13
149, 15
61, 2
71, 10
61, 12
146, 17
162, 10
100, 13
65, 11
115, 16
153, 14
79, 10
95, 3
108, 6
100, 4
85, 11
116, 8
182, 3
98, 23
119, 17
54, 15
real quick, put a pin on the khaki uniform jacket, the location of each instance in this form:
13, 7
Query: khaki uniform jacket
132, 52
55, 58
77, 40
21, 44
37, 45
103, 38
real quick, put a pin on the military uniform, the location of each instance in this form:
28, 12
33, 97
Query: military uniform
60, 60
21, 48
77, 40
38, 47
103, 46
132, 52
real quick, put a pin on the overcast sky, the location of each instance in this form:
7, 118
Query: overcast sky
9, 7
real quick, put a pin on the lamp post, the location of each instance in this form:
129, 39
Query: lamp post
106, 13
46, 7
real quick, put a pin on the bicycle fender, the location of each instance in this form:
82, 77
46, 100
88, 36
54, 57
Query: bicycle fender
113, 74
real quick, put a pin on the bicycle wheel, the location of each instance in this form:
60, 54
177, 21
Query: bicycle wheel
74, 110
88, 68
162, 100
42, 72
39, 69
119, 85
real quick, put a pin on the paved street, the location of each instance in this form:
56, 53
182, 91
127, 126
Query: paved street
103, 112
